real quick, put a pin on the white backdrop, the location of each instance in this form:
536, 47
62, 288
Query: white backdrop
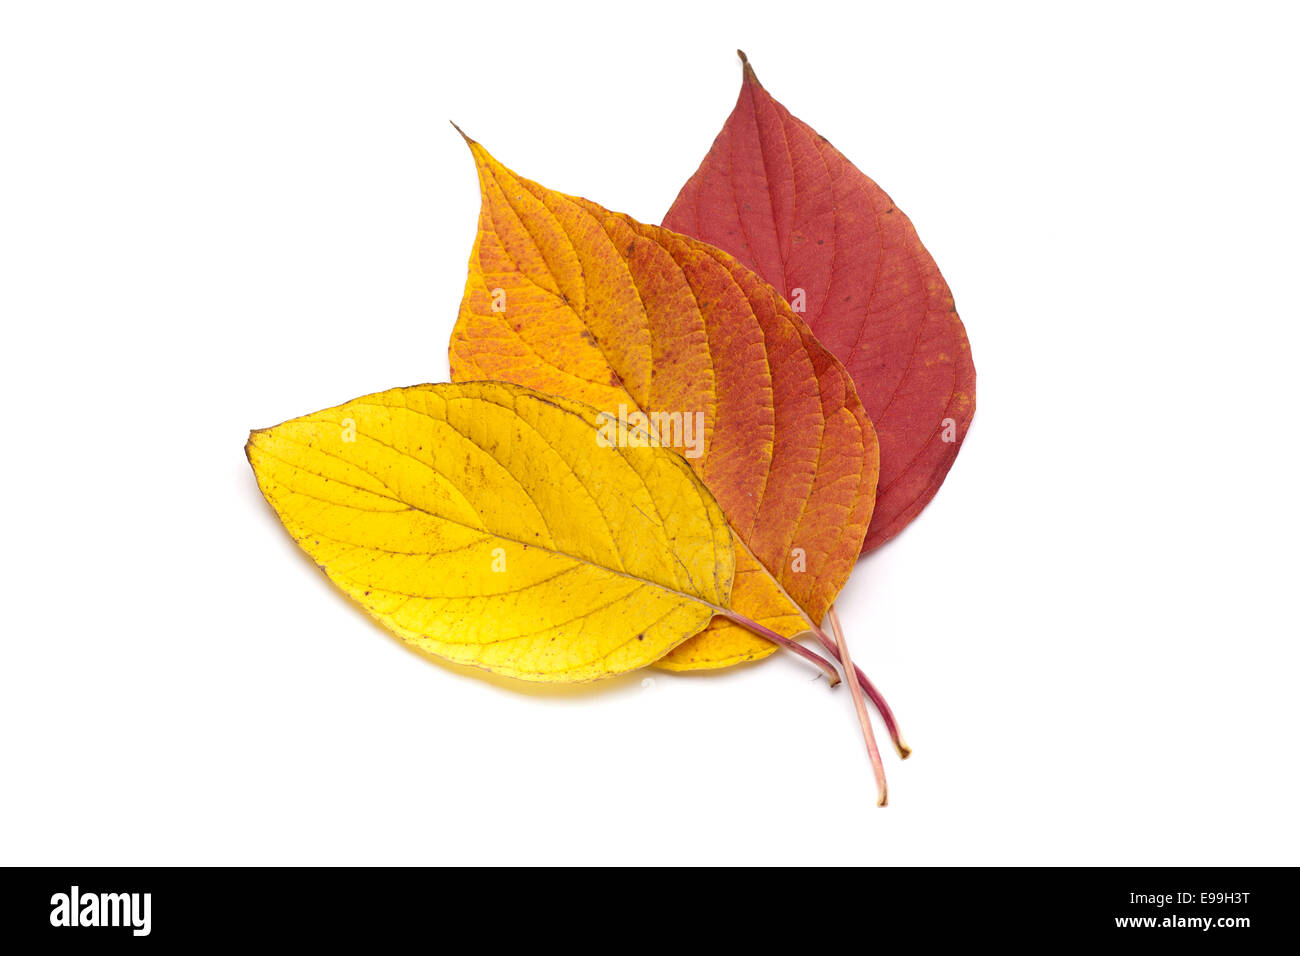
219, 216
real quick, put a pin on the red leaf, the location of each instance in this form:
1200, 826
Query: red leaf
785, 202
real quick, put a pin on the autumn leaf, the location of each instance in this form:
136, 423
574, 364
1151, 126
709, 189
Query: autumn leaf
487, 525
569, 298
786, 203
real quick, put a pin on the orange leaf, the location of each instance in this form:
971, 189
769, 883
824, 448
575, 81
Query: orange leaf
785, 202
567, 297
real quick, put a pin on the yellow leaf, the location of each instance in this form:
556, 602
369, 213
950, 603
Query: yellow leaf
486, 524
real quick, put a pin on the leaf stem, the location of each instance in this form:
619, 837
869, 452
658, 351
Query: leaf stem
813, 657
877, 698
855, 688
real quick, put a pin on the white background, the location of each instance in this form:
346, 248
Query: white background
219, 216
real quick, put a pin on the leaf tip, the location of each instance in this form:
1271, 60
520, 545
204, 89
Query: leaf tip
462, 132
252, 440
482, 158
746, 67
